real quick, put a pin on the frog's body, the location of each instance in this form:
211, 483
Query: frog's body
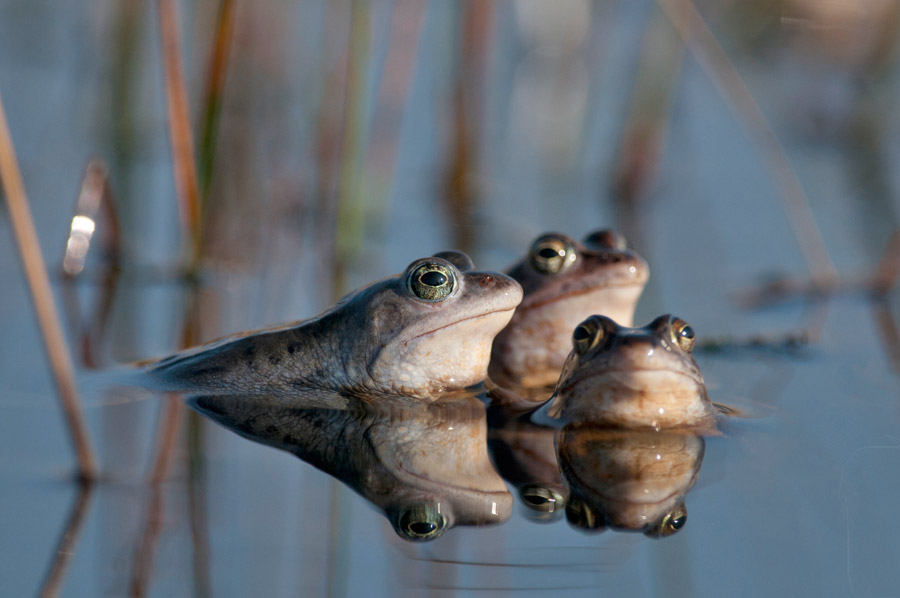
564, 282
632, 378
419, 334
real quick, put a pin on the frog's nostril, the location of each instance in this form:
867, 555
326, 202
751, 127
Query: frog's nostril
486, 280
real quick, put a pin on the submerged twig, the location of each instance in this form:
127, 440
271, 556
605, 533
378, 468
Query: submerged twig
42, 297
180, 136
712, 58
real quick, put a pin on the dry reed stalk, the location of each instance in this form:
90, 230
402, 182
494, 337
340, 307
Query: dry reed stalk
65, 548
460, 191
180, 137
42, 297
715, 62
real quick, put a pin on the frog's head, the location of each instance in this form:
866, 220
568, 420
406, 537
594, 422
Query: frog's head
429, 330
565, 281
643, 377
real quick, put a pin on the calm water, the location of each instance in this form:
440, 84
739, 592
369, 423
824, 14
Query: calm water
798, 498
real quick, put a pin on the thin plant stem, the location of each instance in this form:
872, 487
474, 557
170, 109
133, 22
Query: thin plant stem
350, 217
180, 136
713, 59
212, 102
42, 297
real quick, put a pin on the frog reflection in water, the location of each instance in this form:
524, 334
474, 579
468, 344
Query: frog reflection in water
425, 465
367, 391
419, 334
624, 393
564, 282
630, 480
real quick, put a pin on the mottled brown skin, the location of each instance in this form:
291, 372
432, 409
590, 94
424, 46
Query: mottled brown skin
628, 480
424, 465
634, 378
597, 276
381, 340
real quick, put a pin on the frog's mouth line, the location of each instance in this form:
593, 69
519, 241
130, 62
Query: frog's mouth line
604, 372
624, 284
484, 315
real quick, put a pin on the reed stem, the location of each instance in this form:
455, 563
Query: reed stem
42, 297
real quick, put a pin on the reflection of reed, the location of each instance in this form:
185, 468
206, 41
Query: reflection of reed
42, 297
65, 548
95, 201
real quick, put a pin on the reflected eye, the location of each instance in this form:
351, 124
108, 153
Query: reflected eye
432, 281
421, 523
580, 515
682, 334
672, 522
540, 498
587, 335
551, 254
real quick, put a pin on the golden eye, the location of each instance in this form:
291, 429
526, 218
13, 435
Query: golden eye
586, 335
421, 523
672, 522
551, 254
431, 281
682, 334
540, 498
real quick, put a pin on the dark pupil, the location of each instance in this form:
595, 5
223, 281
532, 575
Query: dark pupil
548, 253
581, 334
677, 522
433, 278
422, 528
687, 332
538, 500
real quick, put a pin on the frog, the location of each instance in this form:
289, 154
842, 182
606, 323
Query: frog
425, 466
564, 281
418, 334
632, 377
628, 480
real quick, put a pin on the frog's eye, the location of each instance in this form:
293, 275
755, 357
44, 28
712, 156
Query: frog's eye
682, 334
541, 498
671, 523
586, 335
421, 523
551, 254
431, 281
